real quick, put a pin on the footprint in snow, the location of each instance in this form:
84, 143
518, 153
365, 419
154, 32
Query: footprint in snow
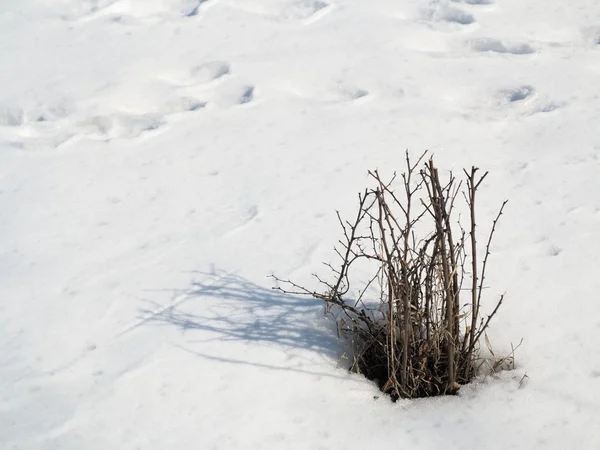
554, 250
492, 45
30, 113
194, 8
232, 94
525, 100
549, 107
127, 11
288, 11
348, 93
246, 95
516, 94
87, 9
182, 105
203, 73
454, 16
337, 94
475, 2
120, 126
33, 125
143, 9
307, 11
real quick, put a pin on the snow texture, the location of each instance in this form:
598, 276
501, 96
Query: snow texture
160, 158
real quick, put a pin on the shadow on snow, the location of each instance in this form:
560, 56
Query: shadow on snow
226, 307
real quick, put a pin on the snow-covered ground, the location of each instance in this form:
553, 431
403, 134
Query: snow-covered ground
160, 158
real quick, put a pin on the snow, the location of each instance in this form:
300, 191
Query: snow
160, 158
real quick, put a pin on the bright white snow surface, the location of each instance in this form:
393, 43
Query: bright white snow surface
160, 158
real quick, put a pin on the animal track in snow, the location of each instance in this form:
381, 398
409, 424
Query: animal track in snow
200, 80
455, 15
201, 74
210, 71
346, 93
230, 94
475, 2
517, 94
124, 10
294, 11
86, 9
341, 93
497, 46
548, 107
117, 126
149, 8
521, 101
441, 12
194, 9
246, 96
553, 250
305, 10
352, 93
123, 125
121, 111
183, 104
20, 114
31, 124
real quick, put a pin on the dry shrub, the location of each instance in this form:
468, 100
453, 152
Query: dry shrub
415, 321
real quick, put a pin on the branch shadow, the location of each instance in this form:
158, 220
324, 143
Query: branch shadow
226, 307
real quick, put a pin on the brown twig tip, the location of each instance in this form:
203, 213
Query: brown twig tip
395, 290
